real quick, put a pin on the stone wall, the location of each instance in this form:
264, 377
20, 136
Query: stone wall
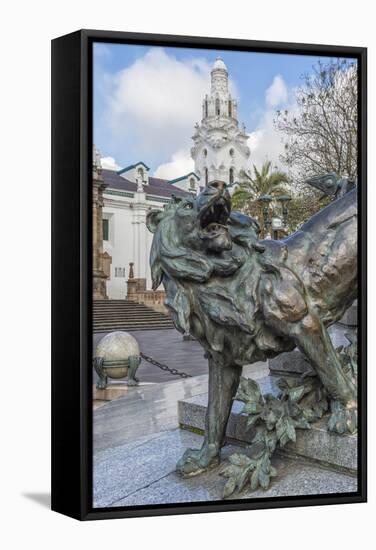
137, 292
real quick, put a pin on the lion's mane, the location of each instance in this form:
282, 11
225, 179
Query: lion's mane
215, 297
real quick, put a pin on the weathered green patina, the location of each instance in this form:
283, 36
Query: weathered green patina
331, 184
246, 300
274, 419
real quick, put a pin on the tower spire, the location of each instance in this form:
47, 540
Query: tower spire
220, 148
219, 78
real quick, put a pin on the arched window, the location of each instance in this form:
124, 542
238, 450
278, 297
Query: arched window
206, 107
232, 153
229, 108
231, 176
205, 152
217, 107
206, 176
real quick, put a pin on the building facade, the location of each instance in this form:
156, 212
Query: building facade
127, 197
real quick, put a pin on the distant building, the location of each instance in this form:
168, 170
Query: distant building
220, 152
220, 147
129, 194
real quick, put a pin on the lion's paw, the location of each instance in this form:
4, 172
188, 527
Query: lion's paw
196, 461
132, 382
343, 419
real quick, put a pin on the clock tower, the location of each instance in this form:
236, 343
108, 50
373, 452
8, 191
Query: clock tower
220, 148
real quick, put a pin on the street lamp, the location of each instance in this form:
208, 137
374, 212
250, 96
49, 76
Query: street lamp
284, 200
265, 201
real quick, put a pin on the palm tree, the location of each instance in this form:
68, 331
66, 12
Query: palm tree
266, 182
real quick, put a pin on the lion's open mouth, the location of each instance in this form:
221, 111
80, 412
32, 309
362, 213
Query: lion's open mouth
214, 210
214, 218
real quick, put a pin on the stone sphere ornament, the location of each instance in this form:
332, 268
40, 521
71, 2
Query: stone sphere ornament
117, 356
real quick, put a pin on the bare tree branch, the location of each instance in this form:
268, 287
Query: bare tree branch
321, 134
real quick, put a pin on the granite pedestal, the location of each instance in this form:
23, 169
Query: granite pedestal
294, 362
317, 444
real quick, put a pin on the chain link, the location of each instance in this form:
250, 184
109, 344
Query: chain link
175, 372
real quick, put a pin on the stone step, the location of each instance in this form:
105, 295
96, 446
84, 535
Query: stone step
126, 310
111, 315
131, 321
131, 306
112, 303
131, 316
129, 328
316, 444
135, 319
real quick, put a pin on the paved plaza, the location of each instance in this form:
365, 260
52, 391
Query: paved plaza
137, 442
143, 472
137, 438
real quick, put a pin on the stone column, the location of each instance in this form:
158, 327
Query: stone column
140, 250
99, 277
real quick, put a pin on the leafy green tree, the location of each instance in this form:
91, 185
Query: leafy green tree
266, 181
304, 205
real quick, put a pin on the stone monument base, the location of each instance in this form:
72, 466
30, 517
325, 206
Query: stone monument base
317, 444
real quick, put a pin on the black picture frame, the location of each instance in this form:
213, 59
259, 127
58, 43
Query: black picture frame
72, 266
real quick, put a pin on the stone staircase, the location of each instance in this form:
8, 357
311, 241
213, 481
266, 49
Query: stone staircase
109, 315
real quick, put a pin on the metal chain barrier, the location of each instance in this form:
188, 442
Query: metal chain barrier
175, 372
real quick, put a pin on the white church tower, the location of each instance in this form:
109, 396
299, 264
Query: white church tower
220, 148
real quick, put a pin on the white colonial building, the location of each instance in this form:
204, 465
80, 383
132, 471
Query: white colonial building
220, 152
129, 194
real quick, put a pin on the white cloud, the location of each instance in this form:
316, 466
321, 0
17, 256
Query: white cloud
180, 164
154, 105
277, 93
266, 142
109, 163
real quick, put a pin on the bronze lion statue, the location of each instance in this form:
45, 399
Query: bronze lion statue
247, 300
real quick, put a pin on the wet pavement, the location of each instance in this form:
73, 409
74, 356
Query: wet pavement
143, 472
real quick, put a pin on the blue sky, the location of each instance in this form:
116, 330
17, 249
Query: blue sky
147, 100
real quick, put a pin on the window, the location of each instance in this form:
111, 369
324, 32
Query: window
217, 108
229, 108
206, 176
192, 183
231, 176
205, 152
206, 107
119, 271
232, 153
106, 230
